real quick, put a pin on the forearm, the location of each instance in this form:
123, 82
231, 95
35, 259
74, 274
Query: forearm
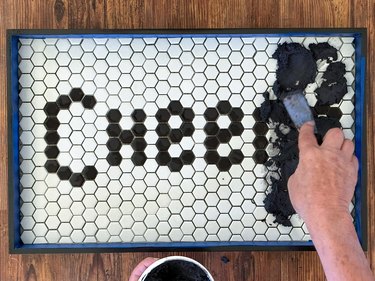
338, 247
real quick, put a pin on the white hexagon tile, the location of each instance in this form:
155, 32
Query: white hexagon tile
151, 139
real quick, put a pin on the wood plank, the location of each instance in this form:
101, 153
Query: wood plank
125, 14
6, 20
60, 14
317, 13
371, 129
197, 14
243, 14
267, 266
8, 264
33, 14
367, 11
111, 266
75, 267
84, 14
142, 14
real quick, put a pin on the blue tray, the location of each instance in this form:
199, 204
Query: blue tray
197, 206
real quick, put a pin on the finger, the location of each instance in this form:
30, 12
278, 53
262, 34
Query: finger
348, 148
355, 163
140, 268
334, 138
291, 181
306, 136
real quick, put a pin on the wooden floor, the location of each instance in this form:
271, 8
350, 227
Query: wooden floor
125, 14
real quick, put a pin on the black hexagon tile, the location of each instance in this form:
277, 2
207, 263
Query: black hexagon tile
153, 139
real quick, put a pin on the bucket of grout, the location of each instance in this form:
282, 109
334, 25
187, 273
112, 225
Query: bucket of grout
176, 268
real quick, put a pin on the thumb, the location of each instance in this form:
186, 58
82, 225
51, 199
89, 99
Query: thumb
140, 268
306, 137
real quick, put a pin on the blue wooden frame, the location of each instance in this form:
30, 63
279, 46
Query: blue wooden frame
15, 243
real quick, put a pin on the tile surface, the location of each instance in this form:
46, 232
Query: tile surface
152, 139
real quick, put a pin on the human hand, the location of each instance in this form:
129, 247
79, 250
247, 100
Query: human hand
323, 183
141, 267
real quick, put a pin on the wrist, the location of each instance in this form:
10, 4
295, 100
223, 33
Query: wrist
321, 219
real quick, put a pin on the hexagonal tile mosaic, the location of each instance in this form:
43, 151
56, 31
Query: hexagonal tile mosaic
152, 139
